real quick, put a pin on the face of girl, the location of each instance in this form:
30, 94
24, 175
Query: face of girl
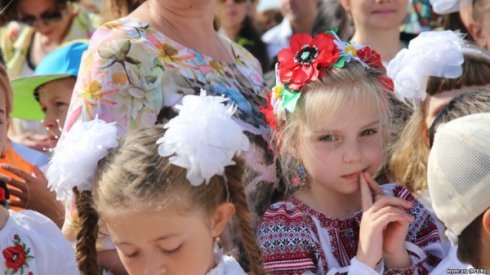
336, 152
54, 98
298, 10
45, 16
232, 12
167, 241
481, 30
378, 14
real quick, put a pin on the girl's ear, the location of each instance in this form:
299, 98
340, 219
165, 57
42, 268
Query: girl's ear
476, 32
346, 5
222, 215
486, 222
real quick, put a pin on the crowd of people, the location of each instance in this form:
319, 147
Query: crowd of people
213, 137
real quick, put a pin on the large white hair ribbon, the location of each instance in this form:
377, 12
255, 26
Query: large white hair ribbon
77, 154
203, 138
432, 53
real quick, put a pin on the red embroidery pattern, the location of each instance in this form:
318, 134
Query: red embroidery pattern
289, 235
17, 257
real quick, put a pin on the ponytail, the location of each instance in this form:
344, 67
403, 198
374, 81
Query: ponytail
238, 198
87, 236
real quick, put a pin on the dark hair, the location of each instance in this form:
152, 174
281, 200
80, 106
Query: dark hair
462, 105
114, 9
12, 12
252, 41
476, 69
469, 242
331, 15
452, 21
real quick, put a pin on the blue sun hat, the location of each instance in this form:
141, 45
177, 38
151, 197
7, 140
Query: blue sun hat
62, 62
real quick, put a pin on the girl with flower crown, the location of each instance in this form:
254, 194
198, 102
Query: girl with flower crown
164, 196
330, 112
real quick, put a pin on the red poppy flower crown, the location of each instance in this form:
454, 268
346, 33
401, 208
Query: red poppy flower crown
309, 59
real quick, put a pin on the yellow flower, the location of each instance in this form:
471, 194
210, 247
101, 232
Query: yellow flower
119, 78
277, 91
351, 49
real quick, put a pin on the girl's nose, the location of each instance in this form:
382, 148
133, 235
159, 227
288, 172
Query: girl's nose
352, 152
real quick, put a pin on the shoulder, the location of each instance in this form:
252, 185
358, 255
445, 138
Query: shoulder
38, 227
283, 220
287, 242
284, 211
120, 30
41, 242
243, 54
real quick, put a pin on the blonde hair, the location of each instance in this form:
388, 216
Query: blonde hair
6, 89
409, 154
135, 176
320, 100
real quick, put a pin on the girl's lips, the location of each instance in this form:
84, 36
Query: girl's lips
384, 11
354, 175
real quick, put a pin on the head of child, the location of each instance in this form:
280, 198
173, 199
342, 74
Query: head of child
337, 129
159, 222
408, 160
462, 105
46, 95
479, 27
368, 15
459, 181
5, 104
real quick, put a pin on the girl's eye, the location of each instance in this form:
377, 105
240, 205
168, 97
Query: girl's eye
369, 132
171, 251
328, 138
60, 104
131, 255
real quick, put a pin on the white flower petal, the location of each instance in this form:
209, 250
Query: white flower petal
203, 138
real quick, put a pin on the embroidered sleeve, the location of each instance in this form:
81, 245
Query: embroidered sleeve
286, 241
119, 80
423, 242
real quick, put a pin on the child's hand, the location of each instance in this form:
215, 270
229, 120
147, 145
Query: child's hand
394, 251
33, 192
378, 213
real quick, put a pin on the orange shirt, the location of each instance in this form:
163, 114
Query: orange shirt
13, 158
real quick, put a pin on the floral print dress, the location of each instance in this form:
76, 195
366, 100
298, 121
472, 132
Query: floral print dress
134, 75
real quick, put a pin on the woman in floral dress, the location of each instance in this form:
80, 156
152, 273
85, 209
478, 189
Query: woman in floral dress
138, 68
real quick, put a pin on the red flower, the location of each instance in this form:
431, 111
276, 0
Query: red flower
2, 195
387, 83
15, 257
371, 58
268, 112
302, 62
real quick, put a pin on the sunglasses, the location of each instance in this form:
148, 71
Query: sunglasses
236, 1
47, 17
